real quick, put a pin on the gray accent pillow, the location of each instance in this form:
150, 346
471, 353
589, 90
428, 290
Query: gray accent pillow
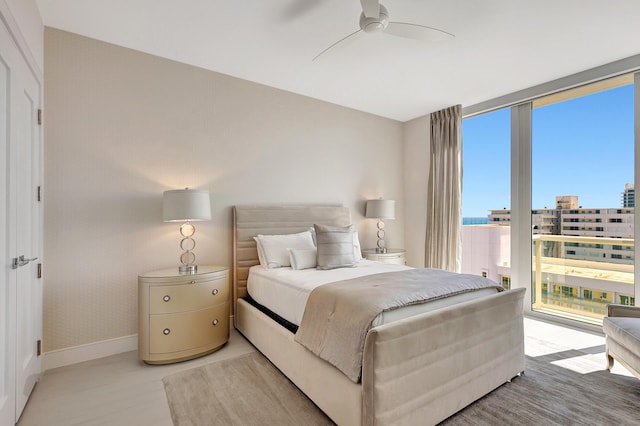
335, 246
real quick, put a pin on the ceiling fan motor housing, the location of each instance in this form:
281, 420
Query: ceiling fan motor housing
375, 24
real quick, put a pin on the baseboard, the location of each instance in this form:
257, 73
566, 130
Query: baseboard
73, 355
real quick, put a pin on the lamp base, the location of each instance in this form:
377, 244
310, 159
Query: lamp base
188, 269
381, 249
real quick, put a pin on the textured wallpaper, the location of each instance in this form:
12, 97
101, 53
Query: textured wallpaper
122, 126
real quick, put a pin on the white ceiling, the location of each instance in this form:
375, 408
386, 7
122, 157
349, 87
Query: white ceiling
501, 46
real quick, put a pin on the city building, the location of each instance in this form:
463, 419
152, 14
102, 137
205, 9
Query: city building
629, 196
566, 286
569, 219
582, 257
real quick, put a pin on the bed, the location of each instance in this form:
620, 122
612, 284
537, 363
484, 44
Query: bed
418, 369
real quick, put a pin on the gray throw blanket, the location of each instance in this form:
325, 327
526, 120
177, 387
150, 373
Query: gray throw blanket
338, 315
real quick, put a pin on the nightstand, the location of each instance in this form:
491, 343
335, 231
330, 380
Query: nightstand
396, 256
182, 316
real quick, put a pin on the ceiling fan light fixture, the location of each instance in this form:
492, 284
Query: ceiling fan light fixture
375, 24
375, 19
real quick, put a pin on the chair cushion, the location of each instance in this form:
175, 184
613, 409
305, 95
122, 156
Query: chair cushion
623, 330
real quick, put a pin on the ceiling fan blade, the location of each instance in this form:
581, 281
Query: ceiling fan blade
370, 8
416, 32
343, 41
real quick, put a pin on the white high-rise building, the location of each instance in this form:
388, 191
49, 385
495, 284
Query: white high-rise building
582, 257
578, 275
569, 219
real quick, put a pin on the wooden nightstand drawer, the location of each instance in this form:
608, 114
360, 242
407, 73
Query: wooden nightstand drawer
396, 256
164, 299
182, 316
188, 330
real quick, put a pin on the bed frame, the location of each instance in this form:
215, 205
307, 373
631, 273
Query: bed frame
419, 370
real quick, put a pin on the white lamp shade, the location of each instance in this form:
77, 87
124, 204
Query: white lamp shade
381, 209
179, 205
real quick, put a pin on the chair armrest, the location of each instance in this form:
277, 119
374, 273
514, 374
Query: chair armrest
615, 310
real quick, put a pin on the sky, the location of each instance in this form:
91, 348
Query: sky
583, 147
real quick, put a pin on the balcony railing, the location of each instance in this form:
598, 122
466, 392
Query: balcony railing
565, 283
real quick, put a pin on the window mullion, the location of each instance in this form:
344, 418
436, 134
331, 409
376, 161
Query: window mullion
521, 198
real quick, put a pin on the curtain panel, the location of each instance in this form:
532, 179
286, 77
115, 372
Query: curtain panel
444, 191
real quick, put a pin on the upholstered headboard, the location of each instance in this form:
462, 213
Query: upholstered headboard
249, 221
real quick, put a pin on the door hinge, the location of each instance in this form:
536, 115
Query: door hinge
39, 270
39, 117
39, 347
39, 193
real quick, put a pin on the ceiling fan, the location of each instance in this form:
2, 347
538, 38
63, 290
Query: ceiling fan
375, 19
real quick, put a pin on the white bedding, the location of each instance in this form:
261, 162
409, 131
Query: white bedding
285, 291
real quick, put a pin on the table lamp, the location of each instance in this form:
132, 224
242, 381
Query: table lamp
186, 205
381, 209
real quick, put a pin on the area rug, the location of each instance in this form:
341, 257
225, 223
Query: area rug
249, 390
551, 394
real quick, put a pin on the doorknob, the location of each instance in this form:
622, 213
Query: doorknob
19, 261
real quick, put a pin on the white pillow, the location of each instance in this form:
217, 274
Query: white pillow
275, 251
261, 258
303, 258
313, 235
357, 250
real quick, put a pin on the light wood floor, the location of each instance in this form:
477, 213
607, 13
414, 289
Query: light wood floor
120, 390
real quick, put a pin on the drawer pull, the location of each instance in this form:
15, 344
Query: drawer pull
166, 298
214, 322
166, 331
214, 291
193, 282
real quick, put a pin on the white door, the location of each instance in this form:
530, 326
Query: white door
7, 284
21, 300
28, 237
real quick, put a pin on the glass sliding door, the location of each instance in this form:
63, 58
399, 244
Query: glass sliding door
486, 196
583, 200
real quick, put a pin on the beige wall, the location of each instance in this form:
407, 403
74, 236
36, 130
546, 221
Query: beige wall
121, 127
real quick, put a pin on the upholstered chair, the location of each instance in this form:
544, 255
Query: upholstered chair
622, 331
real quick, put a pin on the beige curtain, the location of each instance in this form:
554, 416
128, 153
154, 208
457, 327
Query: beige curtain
444, 192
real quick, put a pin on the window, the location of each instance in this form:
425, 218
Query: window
555, 138
486, 197
505, 281
573, 125
626, 300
